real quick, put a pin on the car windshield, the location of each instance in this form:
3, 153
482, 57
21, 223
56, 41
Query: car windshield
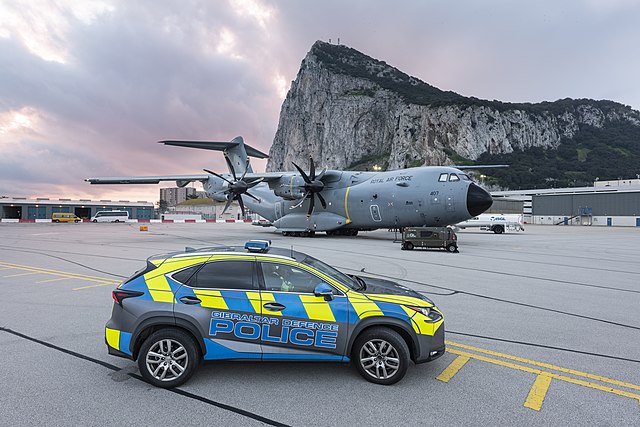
331, 272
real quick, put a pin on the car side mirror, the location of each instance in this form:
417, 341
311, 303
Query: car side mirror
324, 290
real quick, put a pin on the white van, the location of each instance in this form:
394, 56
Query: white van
110, 216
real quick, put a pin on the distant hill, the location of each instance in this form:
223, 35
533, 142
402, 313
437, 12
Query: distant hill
349, 110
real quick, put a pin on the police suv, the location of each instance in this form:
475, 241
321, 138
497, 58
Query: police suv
262, 303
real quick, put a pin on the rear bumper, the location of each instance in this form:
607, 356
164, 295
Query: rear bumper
430, 347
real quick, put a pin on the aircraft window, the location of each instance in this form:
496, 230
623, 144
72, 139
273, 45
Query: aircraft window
443, 177
465, 177
453, 177
224, 275
285, 278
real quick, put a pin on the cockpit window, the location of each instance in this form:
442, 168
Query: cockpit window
453, 177
443, 177
465, 177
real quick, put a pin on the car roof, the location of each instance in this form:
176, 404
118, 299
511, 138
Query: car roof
289, 254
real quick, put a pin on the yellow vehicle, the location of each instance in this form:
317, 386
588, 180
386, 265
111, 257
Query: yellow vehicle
64, 217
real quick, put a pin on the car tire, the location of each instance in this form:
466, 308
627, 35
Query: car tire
409, 246
95, 220
168, 358
498, 229
76, 221
452, 248
381, 356
55, 220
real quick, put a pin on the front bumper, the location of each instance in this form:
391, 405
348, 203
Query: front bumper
430, 347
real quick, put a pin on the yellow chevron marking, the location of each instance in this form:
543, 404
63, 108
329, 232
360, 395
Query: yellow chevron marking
364, 307
211, 299
113, 338
159, 289
453, 368
266, 298
254, 299
538, 392
317, 308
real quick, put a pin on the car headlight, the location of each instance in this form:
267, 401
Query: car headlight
429, 312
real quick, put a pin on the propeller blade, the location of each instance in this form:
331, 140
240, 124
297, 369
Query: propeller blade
319, 177
322, 201
301, 201
253, 197
219, 176
231, 168
241, 203
254, 183
312, 169
311, 206
304, 175
246, 168
229, 201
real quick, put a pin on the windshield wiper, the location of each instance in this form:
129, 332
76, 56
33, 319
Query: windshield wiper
361, 282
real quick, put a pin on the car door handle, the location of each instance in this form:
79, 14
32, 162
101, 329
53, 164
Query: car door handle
274, 306
190, 300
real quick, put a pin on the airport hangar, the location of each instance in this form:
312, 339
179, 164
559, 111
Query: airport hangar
607, 203
13, 209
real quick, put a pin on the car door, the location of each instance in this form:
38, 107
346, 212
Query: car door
221, 298
297, 325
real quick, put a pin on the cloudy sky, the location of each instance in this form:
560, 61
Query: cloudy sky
87, 87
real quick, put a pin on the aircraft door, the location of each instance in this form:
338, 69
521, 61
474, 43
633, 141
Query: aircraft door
223, 299
296, 324
375, 213
279, 206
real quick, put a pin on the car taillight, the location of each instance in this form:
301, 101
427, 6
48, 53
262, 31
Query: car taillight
120, 294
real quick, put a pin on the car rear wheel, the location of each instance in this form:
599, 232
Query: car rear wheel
168, 358
498, 229
408, 246
381, 356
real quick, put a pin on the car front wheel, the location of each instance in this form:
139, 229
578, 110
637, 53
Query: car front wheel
168, 358
381, 356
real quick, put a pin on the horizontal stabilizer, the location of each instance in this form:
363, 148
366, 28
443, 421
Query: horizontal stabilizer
180, 179
217, 146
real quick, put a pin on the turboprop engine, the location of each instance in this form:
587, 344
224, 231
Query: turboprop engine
215, 188
289, 187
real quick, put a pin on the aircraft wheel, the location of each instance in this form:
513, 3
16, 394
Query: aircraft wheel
285, 233
409, 246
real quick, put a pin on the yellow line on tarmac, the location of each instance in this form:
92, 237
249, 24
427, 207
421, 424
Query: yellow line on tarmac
550, 374
6, 268
452, 369
57, 279
55, 272
546, 365
22, 274
538, 392
95, 286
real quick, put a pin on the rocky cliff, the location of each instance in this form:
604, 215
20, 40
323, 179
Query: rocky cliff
348, 110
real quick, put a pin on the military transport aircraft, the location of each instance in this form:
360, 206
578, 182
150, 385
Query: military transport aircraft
338, 202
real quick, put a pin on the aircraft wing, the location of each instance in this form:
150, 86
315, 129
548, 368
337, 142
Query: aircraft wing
480, 166
184, 179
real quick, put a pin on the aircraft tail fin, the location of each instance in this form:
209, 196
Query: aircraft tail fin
236, 152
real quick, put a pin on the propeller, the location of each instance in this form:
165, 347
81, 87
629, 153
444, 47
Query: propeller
237, 187
313, 185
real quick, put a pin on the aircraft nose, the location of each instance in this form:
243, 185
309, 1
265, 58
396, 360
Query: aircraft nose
478, 200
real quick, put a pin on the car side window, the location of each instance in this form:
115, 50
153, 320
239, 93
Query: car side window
224, 275
287, 278
443, 177
183, 276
